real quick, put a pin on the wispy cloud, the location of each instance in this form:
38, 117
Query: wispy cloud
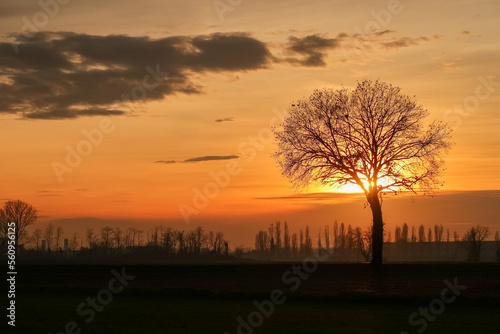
200, 159
404, 42
223, 120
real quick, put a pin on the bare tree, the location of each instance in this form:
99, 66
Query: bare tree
286, 241
200, 239
91, 238
21, 214
58, 237
48, 234
261, 241
327, 238
364, 242
73, 243
118, 237
342, 236
295, 246
277, 232
372, 136
169, 240
473, 240
307, 242
37, 237
107, 237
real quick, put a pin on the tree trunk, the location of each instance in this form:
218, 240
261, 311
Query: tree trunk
378, 231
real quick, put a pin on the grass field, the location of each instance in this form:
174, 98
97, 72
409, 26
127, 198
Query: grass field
333, 298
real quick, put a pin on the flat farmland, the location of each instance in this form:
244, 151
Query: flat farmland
258, 298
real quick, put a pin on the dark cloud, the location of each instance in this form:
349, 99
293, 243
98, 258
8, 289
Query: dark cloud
67, 75
223, 120
212, 157
168, 162
384, 32
404, 42
200, 159
312, 48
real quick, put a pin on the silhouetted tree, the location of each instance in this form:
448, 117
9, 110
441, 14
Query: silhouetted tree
364, 242
413, 235
48, 235
21, 214
473, 240
404, 233
286, 241
372, 136
73, 243
397, 234
278, 238
295, 246
91, 238
262, 242
37, 237
58, 237
169, 240
117, 237
327, 238
320, 244
272, 242
106, 237
421, 233
336, 243
307, 242
438, 233
301, 245
342, 236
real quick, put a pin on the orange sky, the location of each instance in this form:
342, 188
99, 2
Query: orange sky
444, 53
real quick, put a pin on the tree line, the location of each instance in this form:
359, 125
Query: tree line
166, 240
278, 242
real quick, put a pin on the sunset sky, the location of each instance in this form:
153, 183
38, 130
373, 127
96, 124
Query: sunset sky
209, 78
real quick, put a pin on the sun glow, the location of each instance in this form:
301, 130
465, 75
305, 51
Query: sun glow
354, 188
